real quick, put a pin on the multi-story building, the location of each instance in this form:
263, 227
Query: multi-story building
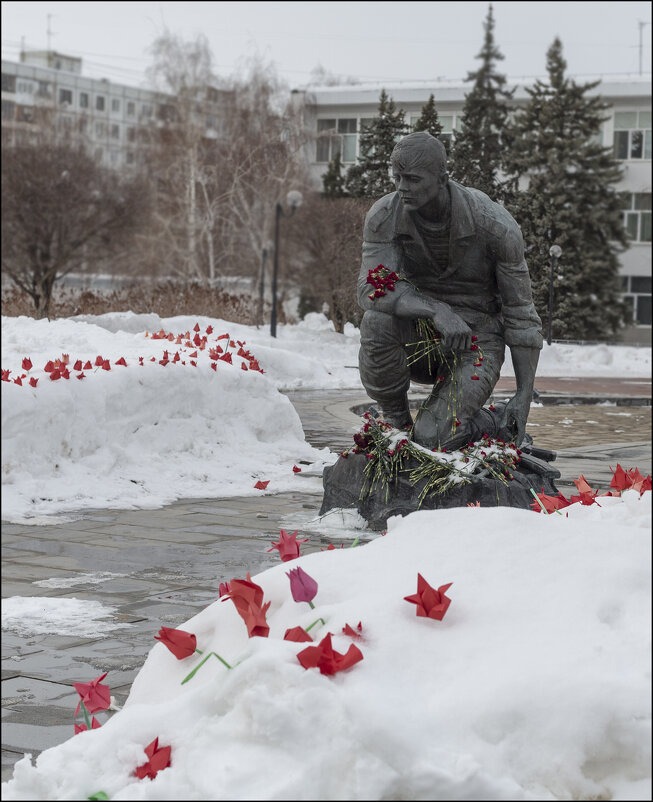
113, 120
336, 113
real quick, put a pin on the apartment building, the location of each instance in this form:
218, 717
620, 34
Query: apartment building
113, 120
336, 113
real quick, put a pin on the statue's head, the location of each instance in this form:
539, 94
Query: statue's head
419, 168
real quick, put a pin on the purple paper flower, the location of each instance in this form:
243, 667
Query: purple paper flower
302, 586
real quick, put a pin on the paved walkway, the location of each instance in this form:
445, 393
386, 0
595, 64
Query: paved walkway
165, 565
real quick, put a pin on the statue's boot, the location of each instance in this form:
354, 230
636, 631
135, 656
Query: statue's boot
396, 412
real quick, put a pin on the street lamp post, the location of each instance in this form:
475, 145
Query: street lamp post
293, 199
555, 251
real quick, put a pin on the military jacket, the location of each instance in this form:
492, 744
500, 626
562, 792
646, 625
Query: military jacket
486, 282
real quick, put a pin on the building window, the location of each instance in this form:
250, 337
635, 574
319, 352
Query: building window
130, 157
65, 96
637, 217
25, 87
446, 121
8, 82
44, 89
83, 100
638, 295
115, 104
131, 108
8, 110
131, 134
632, 135
25, 114
114, 157
82, 125
99, 102
147, 110
99, 129
115, 132
336, 136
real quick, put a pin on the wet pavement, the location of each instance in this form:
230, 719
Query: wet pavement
163, 566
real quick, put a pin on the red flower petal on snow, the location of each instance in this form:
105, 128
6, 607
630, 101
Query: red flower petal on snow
261, 485
288, 546
298, 634
352, 632
159, 759
326, 659
431, 603
181, 644
95, 696
295, 469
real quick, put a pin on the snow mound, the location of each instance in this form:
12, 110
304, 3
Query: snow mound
535, 685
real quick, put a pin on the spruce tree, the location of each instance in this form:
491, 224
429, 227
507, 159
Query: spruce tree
370, 177
333, 181
478, 147
571, 201
429, 120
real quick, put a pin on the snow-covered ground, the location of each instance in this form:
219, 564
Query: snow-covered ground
143, 435
534, 685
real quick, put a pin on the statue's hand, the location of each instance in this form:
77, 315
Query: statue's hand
515, 416
456, 334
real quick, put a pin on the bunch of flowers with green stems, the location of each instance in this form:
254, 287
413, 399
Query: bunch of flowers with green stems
388, 450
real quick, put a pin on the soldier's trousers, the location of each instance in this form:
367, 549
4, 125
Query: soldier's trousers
462, 381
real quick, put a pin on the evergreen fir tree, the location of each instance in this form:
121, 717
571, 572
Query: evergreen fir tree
370, 177
570, 200
429, 120
333, 181
479, 146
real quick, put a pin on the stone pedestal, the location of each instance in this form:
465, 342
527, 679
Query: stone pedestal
344, 481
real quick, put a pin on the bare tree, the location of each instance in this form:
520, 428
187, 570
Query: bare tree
61, 212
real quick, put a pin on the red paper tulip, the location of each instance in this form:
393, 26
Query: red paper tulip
27, 363
226, 358
18, 381
96, 697
431, 603
298, 634
295, 469
630, 479
33, 382
326, 659
196, 327
209, 329
261, 486
587, 495
49, 366
121, 361
54, 375
181, 644
247, 597
87, 365
78, 365
65, 359
106, 365
95, 724
288, 546
159, 759
352, 632
223, 589
99, 361
302, 586
550, 503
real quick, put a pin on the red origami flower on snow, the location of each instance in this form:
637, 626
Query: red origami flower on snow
431, 603
120, 361
288, 546
78, 365
33, 382
96, 697
159, 759
630, 479
223, 589
95, 724
298, 634
181, 644
87, 365
27, 363
247, 597
99, 361
18, 381
261, 485
587, 495
347, 630
550, 503
295, 469
326, 659
5, 375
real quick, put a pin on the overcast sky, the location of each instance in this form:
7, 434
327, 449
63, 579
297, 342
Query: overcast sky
368, 40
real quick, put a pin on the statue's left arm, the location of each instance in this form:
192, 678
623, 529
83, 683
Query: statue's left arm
522, 326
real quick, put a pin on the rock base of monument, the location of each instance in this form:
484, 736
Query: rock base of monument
344, 482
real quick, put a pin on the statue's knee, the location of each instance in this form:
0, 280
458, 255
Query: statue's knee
432, 430
374, 324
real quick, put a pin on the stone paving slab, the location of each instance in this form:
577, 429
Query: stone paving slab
174, 559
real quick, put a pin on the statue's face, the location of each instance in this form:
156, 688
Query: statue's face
417, 186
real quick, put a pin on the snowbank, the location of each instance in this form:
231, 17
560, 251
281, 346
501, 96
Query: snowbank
535, 685
148, 432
